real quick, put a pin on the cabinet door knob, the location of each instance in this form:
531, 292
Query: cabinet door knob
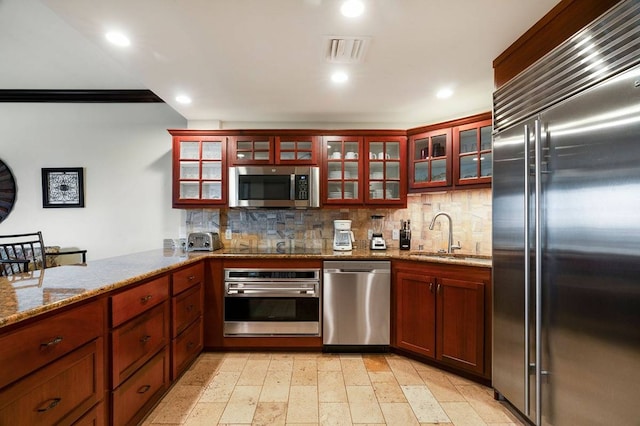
438, 289
52, 404
57, 340
191, 277
431, 287
145, 299
190, 308
145, 339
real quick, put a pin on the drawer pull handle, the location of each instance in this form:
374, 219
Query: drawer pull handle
145, 299
191, 277
190, 345
57, 340
145, 339
52, 404
190, 308
144, 388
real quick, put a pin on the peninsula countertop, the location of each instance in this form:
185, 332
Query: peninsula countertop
26, 295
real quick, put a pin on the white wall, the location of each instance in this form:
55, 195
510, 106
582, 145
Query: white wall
125, 151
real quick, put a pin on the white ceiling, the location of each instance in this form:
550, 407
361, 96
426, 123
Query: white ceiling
261, 62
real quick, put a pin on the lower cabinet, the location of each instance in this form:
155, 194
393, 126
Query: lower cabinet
442, 313
187, 306
132, 400
60, 393
140, 330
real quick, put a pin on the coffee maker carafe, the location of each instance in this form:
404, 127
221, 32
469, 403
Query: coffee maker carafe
342, 235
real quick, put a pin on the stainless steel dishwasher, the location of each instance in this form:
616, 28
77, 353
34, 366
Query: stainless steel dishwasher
356, 305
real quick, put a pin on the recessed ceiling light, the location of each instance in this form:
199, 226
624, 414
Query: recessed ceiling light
444, 93
339, 77
118, 38
352, 8
183, 99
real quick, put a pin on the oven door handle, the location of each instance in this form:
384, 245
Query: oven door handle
251, 290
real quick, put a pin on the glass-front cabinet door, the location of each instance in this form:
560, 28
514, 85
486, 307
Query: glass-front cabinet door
474, 153
251, 150
296, 150
385, 170
430, 156
342, 169
199, 170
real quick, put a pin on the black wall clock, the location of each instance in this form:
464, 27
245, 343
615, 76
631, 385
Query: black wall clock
7, 191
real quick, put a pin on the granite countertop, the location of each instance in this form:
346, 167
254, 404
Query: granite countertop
25, 295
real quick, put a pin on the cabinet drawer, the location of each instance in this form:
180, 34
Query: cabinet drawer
185, 348
138, 340
186, 307
37, 344
187, 277
135, 396
94, 417
134, 301
58, 394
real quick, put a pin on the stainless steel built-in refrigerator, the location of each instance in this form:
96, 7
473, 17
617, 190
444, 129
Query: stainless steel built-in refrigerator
566, 230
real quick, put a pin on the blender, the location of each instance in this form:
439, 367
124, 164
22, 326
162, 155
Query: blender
377, 226
342, 235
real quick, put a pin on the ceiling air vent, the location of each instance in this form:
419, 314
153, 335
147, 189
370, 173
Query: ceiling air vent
346, 50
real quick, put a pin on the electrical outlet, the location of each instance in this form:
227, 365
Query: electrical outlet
395, 235
369, 234
227, 234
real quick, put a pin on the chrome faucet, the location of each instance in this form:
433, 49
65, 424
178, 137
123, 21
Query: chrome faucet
450, 246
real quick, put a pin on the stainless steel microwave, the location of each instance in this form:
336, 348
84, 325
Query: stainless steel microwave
291, 187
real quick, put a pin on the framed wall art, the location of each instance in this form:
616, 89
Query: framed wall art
62, 187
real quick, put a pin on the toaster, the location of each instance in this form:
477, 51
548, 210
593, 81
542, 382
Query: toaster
203, 241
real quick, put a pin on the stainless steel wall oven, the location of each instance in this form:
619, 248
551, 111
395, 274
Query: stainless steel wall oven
259, 302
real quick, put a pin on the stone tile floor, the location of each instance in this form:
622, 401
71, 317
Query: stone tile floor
324, 389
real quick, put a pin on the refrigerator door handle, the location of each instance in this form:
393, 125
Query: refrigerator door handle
538, 267
527, 269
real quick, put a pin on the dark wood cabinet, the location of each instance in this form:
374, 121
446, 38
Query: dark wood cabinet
385, 170
187, 307
59, 393
54, 368
430, 156
250, 149
451, 154
199, 169
140, 340
416, 312
473, 153
460, 323
363, 170
442, 312
342, 170
265, 149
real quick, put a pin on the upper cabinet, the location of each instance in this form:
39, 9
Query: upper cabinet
343, 170
430, 154
364, 170
385, 170
451, 154
251, 150
199, 169
257, 150
473, 153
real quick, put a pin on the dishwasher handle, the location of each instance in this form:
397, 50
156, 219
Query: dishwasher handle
345, 270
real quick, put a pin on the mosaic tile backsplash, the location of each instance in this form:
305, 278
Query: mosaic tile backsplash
470, 211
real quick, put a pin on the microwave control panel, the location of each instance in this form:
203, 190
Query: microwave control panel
302, 187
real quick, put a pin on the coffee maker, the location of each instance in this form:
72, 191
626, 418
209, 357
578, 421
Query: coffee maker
342, 235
